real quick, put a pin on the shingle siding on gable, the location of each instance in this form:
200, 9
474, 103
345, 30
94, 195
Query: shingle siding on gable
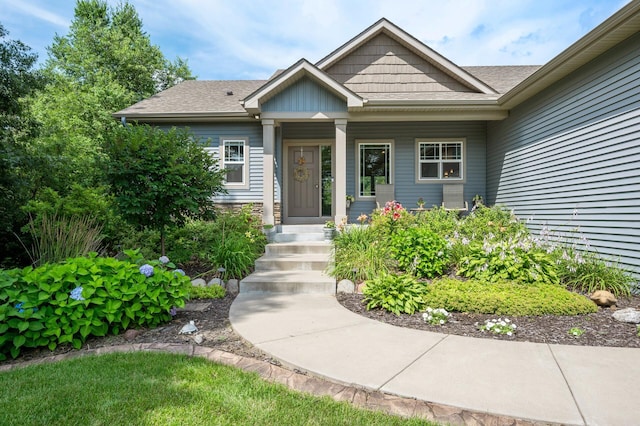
577, 146
305, 95
383, 65
210, 136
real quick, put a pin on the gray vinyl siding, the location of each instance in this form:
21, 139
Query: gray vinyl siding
404, 135
210, 134
575, 148
305, 95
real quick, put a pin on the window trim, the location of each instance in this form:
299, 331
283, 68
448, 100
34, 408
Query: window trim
441, 141
245, 170
358, 143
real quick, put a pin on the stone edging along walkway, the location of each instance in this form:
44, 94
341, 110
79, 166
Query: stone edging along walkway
370, 400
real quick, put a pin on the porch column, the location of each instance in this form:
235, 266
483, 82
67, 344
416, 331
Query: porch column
268, 143
341, 170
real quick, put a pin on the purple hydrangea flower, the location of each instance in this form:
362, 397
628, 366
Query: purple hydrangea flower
76, 294
164, 260
178, 271
146, 270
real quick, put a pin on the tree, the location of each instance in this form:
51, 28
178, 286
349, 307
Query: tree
161, 178
105, 63
18, 80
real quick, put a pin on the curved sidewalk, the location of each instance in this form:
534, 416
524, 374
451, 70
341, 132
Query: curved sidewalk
573, 385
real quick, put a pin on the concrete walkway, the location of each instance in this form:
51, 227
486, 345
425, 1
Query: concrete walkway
572, 385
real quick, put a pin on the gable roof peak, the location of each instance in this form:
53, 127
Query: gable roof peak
383, 25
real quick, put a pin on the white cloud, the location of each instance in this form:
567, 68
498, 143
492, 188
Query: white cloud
252, 38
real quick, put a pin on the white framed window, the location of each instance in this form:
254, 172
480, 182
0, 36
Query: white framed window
439, 159
234, 159
375, 165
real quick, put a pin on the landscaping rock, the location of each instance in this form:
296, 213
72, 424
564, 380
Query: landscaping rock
232, 286
216, 281
131, 334
189, 328
604, 298
199, 282
346, 286
198, 339
360, 288
629, 315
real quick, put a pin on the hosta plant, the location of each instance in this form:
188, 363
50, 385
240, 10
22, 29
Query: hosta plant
420, 252
395, 293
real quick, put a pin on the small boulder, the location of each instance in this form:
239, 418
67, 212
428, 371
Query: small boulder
232, 286
216, 281
189, 328
131, 334
361, 287
346, 286
198, 339
603, 298
629, 315
199, 282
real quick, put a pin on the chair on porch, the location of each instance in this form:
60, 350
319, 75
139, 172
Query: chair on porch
453, 197
384, 194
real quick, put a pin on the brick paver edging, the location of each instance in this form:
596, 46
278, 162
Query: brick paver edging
367, 399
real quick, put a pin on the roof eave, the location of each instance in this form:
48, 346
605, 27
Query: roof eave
614, 30
184, 116
384, 25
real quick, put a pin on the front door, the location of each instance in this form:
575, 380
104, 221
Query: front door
303, 181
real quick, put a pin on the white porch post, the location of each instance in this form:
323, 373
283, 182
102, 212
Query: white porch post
268, 143
341, 170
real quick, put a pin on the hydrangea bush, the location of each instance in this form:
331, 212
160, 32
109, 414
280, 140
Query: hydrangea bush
67, 302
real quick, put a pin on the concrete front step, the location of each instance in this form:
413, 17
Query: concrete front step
311, 282
285, 237
293, 262
309, 247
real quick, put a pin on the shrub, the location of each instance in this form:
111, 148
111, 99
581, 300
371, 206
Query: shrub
516, 258
419, 251
587, 272
491, 223
505, 298
386, 220
70, 301
359, 255
209, 292
395, 293
443, 222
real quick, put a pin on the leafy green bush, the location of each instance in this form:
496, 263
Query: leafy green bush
492, 223
233, 241
517, 259
359, 255
419, 251
70, 301
389, 218
443, 222
587, 272
505, 298
209, 292
395, 293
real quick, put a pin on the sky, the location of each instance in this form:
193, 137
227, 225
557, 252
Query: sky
251, 39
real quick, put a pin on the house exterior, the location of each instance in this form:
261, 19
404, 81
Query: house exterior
558, 143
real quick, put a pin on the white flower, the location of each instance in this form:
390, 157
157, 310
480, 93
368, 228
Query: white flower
509, 333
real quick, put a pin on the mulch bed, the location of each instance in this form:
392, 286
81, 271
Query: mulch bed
600, 327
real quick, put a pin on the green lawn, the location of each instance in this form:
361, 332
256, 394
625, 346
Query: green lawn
162, 389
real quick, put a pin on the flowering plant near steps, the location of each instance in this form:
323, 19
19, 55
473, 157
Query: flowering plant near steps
499, 326
438, 316
65, 303
363, 218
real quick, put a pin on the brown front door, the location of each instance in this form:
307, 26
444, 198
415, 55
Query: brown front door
304, 181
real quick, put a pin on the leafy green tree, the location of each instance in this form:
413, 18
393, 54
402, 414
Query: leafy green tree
161, 178
105, 63
18, 80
